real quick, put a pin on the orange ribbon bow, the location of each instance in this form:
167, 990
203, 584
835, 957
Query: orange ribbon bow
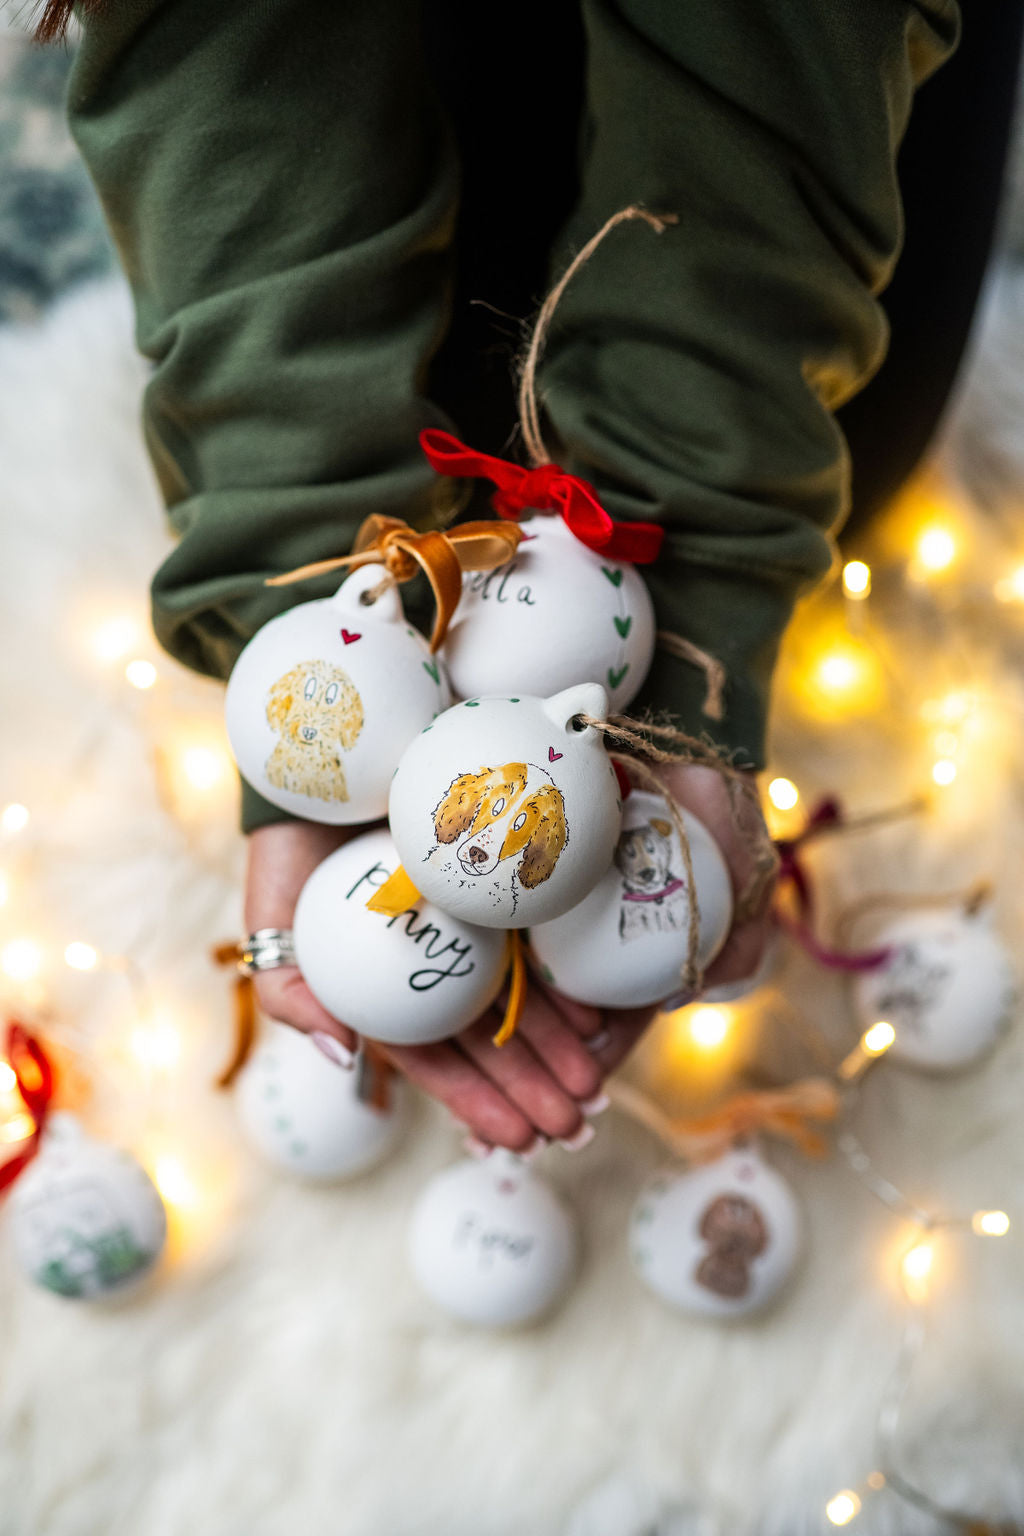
442, 556
775, 1111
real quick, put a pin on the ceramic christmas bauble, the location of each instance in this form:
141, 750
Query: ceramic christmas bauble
325, 698
506, 811
720, 1239
491, 1243
556, 614
626, 943
406, 980
947, 988
303, 1114
86, 1220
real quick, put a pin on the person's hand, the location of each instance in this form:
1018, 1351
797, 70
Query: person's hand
282, 857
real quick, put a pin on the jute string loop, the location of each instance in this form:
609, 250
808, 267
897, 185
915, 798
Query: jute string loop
714, 672
529, 410
970, 899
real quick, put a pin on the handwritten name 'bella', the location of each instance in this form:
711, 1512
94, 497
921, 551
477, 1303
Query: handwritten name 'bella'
451, 956
495, 584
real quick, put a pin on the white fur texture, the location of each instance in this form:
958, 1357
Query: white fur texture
283, 1376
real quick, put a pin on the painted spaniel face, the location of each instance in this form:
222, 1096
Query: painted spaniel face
643, 855
514, 812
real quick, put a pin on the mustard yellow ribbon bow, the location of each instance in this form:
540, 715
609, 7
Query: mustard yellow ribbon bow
442, 556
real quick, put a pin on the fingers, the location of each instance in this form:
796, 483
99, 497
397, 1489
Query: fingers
525, 1081
284, 996
455, 1081
622, 1030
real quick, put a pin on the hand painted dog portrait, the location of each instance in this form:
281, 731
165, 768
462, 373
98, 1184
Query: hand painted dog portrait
318, 714
735, 1232
503, 827
654, 896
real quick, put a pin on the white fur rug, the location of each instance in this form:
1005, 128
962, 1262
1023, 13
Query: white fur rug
283, 1375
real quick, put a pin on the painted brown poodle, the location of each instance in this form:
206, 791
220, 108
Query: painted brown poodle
317, 713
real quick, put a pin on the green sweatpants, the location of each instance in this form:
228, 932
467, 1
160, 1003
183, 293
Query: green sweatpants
282, 185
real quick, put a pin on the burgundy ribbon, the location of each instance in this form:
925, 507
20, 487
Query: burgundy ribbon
35, 1084
827, 814
547, 488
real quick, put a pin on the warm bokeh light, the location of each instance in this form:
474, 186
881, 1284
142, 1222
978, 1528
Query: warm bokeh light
843, 1507
936, 549
875, 1480
916, 1271
783, 794
14, 818
947, 743
18, 1128
157, 1045
878, 1038
141, 674
8, 1077
81, 957
174, 1183
856, 579
203, 767
1010, 589
990, 1223
115, 638
21, 959
709, 1026
840, 677
944, 771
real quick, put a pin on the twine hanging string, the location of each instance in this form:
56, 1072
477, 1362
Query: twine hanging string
715, 675
441, 556
789, 1113
970, 899
34, 1078
529, 410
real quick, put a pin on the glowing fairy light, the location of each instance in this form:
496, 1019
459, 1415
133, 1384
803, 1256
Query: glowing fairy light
1010, 589
203, 767
783, 794
878, 1038
944, 771
18, 1128
838, 671
8, 1078
21, 960
141, 674
990, 1223
708, 1027
947, 743
916, 1270
936, 549
856, 579
843, 1507
14, 818
115, 638
174, 1184
81, 957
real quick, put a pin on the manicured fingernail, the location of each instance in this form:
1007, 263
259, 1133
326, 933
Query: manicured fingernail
474, 1147
595, 1106
680, 1000
333, 1049
583, 1137
598, 1042
530, 1151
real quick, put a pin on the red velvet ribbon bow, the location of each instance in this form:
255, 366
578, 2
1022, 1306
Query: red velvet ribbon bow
545, 489
828, 813
34, 1076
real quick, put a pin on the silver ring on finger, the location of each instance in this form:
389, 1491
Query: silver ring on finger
266, 950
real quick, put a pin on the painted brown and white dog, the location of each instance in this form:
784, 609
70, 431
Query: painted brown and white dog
318, 714
503, 826
653, 898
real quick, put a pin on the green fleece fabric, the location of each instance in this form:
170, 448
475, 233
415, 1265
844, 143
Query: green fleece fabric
281, 185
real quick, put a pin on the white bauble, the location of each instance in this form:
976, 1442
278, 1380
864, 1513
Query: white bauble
491, 1243
324, 699
947, 989
625, 944
720, 1239
302, 1113
86, 1220
554, 615
406, 980
506, 812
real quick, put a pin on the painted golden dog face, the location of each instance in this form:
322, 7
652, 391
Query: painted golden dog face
315, 702
514, 812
